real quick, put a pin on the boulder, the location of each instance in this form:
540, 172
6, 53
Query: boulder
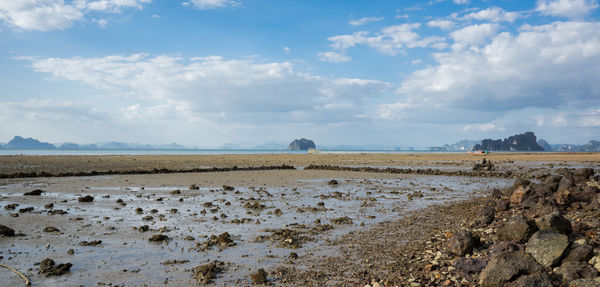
260, 277
520, 194
507, 266
469, 265
547, 247
582, 175
537, 280
462, 243
595, 262
554, 222
580, 253
517, 229
570, 271
503, 246
34, 192
87, 198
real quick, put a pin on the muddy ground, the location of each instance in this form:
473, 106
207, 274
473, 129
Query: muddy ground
303, 227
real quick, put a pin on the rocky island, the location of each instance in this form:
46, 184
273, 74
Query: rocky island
523, 142
302, 144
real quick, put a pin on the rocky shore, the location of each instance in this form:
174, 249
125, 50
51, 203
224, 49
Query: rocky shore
542, 233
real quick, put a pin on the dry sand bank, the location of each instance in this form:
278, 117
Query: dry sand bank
61, 164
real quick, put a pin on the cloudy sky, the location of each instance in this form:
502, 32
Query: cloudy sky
211, 72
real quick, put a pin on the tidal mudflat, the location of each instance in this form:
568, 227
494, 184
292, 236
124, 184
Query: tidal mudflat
223, 227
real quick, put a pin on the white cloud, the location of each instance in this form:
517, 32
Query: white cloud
45, 15
566, 8
442, 24
286, 49
548, 66
168, 85
461, 1
46, 109
494, 14
365, 20
333, 57
391, 40
484, 127
211, 4
473, 35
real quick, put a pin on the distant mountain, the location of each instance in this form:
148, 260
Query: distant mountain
591, 146
523, 142
302, 144
462, 145
545, 145
27, 143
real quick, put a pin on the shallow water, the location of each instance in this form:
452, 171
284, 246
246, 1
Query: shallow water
366, 200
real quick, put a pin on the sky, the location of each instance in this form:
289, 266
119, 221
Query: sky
248, 72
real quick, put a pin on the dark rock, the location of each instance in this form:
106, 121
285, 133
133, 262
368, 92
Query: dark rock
555, 222
51, 229
87, 198
49, 268
228, 188
486, 216
194, 187
11, 206
90, 243
49, 205
570, 271
342, 220
469, 265
547, 247
57, 211
207, 273
333, 182
302, 144
502, 204
259, 277
537, 280
580, 253
582, 175
506, 266
26, 209
158, 238
517, 229
6, 231
503, 246
34, 192
521, 194
485, 165
462, 243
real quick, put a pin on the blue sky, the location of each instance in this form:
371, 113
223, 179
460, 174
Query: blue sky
211, 72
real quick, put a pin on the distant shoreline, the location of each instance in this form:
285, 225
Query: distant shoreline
83, 152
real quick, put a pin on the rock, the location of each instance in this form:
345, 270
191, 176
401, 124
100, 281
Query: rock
49, 205
469, 265
580, 253
595, 262
51, 229
521, 142
547, 247
208, 272
486, 216
503, 246
520, 194
6, 231
342, 220
26, 209
507, 266
582, 175
87, 198
259, 277
90, 243
537, 280
302, 144
158, 238
587, 282
333, 182
462, 243
570, 271
486, 165
517, 229
34, 192
554, 222
49, 268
